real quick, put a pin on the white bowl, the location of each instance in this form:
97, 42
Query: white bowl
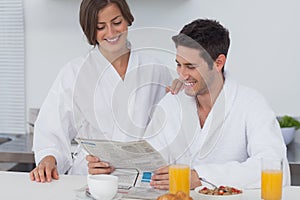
288, 134
199, 196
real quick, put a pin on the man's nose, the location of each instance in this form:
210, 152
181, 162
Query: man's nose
183, 73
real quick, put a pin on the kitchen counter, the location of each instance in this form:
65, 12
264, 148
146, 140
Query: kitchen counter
294, 149
293, 155
18, 149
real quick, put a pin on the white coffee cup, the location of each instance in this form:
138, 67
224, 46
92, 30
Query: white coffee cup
103, 186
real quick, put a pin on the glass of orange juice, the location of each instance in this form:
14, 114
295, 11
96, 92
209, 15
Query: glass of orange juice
271, 179
179, 178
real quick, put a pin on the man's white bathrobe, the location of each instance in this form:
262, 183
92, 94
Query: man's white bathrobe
90, 100
240, 130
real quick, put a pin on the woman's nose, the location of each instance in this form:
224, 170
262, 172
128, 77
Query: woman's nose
110, 31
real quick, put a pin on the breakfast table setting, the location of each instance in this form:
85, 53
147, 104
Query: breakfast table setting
17, 185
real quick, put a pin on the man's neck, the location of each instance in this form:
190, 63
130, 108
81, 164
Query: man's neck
206, 101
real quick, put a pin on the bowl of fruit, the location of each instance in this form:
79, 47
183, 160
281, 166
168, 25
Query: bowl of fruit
219, 193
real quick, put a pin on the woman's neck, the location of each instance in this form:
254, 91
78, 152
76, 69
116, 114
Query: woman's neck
119, 60
112, 56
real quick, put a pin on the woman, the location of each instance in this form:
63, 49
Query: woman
107, 94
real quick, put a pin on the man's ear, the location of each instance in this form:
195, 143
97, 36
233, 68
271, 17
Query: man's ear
220, 62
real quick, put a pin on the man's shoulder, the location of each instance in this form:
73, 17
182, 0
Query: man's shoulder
249, 96
174, 101
168, 98
249, 92
241, 89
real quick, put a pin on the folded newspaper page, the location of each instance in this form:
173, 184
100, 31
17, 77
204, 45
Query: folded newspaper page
134, 161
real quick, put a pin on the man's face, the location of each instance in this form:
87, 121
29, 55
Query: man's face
194, 71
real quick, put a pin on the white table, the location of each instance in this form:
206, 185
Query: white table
17, 185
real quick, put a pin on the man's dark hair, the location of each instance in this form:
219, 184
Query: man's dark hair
207, 35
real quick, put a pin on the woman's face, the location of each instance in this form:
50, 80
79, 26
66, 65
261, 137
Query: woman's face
111, 29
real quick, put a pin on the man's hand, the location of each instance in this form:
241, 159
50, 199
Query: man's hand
195, 180
160, 179
45, 171
96, 166
176, 86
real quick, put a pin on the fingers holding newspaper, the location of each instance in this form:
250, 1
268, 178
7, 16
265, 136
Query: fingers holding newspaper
96, 166
134, 162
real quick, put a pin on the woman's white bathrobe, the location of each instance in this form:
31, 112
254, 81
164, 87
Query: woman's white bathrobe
240, 130
90, 100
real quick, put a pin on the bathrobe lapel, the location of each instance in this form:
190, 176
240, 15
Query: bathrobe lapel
94, 72
213, 128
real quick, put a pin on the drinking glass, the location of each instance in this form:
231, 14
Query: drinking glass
271, 179
179, 177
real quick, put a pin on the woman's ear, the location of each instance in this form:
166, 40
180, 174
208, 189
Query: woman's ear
220, 62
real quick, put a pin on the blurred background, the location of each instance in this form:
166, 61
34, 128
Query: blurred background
263, 52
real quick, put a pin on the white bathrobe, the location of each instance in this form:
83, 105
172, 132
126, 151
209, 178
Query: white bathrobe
240, 130
90, 100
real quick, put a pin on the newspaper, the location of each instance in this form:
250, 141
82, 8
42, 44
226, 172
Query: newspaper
134, 161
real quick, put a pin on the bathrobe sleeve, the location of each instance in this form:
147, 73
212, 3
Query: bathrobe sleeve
54, 127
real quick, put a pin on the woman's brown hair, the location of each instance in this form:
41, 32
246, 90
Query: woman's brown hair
88, 16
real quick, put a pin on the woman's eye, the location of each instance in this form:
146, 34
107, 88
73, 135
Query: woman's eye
117, 23
100, 28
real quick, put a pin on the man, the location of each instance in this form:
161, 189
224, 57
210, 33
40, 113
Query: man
222, 129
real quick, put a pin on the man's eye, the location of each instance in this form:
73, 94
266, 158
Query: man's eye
190, 66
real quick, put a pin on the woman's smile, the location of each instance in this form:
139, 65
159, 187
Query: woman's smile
113, 40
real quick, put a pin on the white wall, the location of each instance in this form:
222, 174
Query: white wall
263, 53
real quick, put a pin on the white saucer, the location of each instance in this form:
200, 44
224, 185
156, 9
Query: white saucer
90, 196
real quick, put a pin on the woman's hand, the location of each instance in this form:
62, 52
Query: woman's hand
96, 166
176, 86
160, 179
45, 171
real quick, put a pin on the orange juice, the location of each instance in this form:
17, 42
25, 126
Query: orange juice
271, 184
179, 178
